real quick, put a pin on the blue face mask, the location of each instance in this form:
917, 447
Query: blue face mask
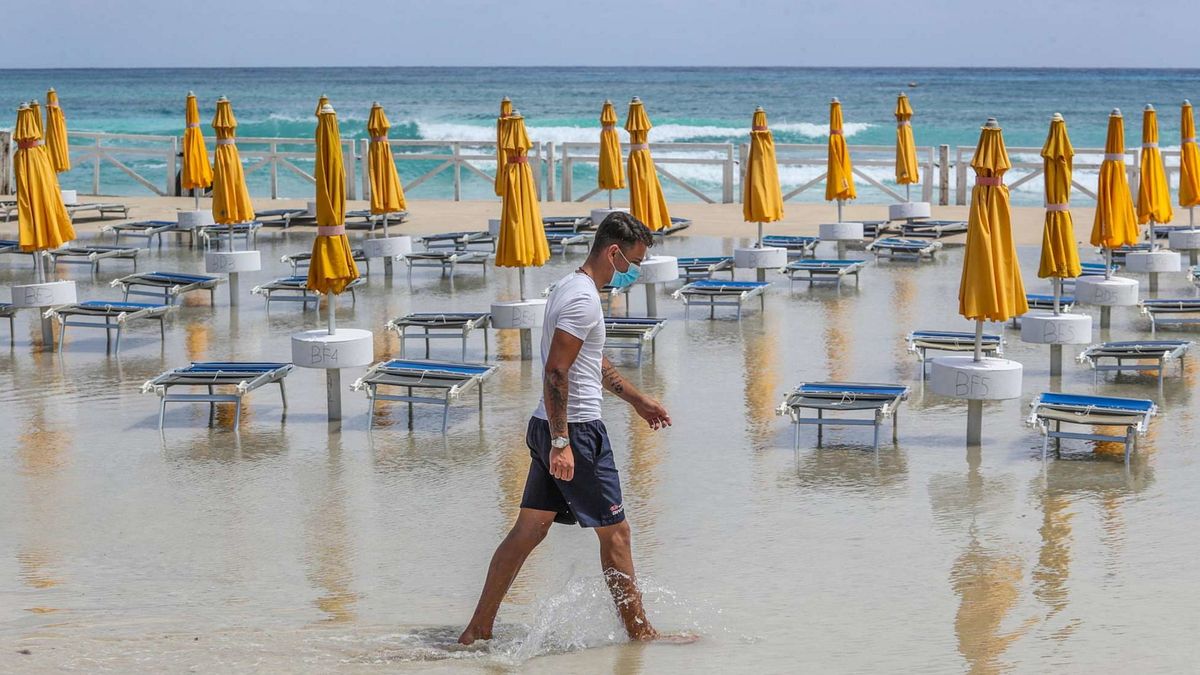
628, 277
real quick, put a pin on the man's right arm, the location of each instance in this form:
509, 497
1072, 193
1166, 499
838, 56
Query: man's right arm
564, 349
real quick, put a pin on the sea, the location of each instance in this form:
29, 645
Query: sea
697, 105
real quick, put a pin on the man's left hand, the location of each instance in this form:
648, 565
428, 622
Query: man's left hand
654, 413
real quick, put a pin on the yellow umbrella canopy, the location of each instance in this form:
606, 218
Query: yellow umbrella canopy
1060, 256
646, 201
522, 237
1154, 197
611, 175
1115, 224
197, 172
839, 174
321, 103
762, 199
41, 217
332, 266
231, 199
991, 288
56, 134
506, 109
1189, 159
907, 172
37, 115
387, 195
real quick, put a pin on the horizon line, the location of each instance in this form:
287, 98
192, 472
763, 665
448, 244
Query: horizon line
603, 67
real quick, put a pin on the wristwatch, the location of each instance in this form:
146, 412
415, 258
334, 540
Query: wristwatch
560, 442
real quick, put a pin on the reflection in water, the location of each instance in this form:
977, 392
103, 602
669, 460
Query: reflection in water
329, 542
853, 467
904, 297
42, 449
761, 354
196, 342
838, 352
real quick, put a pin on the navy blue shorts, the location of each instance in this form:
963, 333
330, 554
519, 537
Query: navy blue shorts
592, 498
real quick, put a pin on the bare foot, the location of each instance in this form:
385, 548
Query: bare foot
471, 634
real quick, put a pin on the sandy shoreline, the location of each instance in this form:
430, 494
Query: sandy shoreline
714, 220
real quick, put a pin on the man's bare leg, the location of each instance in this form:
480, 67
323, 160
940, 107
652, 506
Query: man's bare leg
616, 559
529, 531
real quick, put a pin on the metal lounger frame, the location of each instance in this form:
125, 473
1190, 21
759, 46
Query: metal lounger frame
881, 405
564, 240
797, 247
447, 260
243, 381
9, 312
92, 255
302, 260
704, 267
248, 232
1129, 351
921, 342
170, 291
901, 248
1136, 425
453, 326
823, 272
1171, 312
290, 290
1046, 302
699, 293
458, 241
415, 378
632, 333
150, 230
108, 321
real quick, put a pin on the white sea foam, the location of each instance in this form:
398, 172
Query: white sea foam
664, 133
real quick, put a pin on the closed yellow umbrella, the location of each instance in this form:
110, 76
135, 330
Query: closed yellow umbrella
37, 115
387, 195
230, 197
762, 199
839, 172
1115, 223
522, 238
1060, 256
332, 266
1189, 162
506, 109
611, 175
41, 216
321, 103
991, 288
197, 172
56, 134
907, 173
646, 201
1154, 194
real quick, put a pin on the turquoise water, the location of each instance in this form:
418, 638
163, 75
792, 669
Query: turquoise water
563, 104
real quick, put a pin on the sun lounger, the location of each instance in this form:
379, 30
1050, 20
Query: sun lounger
447, 260
149, 230
92, 255
13, 246
677, 225
281, 218
295, 289
713, 293
107, 315
1105, 411
300, 261
875, 228
921, 342
574, 223
813, 271
7, 311
1046, 302
167, 285
429, 326
448, 380
607, 295
632, 333
797, 247
704, 267
213, 235
562, 239
881, 400
1171, 312
898, 247
1118, 254
102, 209
932, 229
243, 377
1134, 354
363, 219
458, 241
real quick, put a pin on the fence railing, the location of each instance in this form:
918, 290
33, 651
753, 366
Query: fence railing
942, 172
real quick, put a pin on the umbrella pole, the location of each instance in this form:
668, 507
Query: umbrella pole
329, 301
1153, 247
839, 203
610, 200
760, 244
387, 260
908, 192
978, 340
1057, 294
333, 376
196, 197
385, 230
975, 406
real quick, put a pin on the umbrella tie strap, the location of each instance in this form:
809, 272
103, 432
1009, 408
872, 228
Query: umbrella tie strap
759, 127
607, 127
194, 126
1149, 146
1190, 139
518, 159
1114, 157
903, 123
226, 141
51, 105
379, 139
330, 230
989, 181
1058, 207
638, 146
835, 132
26, 145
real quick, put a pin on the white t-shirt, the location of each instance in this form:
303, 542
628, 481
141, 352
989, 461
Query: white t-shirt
574, 307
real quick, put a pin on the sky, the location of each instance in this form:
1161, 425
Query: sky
263, 33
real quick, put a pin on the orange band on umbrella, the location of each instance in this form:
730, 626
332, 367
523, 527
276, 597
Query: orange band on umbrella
379, 139
607, 127
1058, 207
903, 123
835, 132
990, 181
194, 126
639, 146
518, 159
226, 141
1190, 140
1148, 146
330, 230
1114, 157
757, 127
25, 145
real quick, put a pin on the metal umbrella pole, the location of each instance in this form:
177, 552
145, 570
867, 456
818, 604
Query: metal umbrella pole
975, 406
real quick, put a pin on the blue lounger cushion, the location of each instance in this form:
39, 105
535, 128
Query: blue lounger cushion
713, 283
1146, 343
852, 390
704, 260
632, 321
177, 277
115, 304
987, 337
1110, 402
428, 367
233, 366
825, 263
1039, 297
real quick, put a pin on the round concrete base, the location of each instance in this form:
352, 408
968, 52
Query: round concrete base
345, 348
231, 262
1056, 329
766, 257
1111, 292
387, 247
194, 219
909, 211
841, 231
44, 295
523, 314
963, 377
598, 215
657, 269
70, 197
1153, 262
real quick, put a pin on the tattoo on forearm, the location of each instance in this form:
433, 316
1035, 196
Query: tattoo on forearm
556, 403
612, 379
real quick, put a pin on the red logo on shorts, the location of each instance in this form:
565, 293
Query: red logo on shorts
616, 508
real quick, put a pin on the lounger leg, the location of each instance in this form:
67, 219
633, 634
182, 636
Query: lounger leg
426, 336
795, 435
820, 426
485, 343
162, 411
875, 439
212, 407
1045, 443
1128, 443
117, 348
237, 406
445, 415
895, 423
410, 410
464, 347
1057, 438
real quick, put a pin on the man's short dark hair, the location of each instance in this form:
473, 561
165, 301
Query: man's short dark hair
623, 229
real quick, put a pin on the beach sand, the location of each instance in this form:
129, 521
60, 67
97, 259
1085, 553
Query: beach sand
713, 220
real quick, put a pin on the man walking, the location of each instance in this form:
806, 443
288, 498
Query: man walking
572, 476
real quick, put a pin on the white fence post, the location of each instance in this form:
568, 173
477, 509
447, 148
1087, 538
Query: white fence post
365, 150
96, 169
549, 171
173, 187
727, 176
455, 148
944, 175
